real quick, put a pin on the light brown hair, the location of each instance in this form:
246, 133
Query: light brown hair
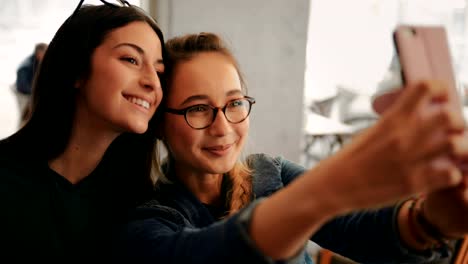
185, 48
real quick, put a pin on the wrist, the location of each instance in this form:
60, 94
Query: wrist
426, 225
409, 233
415, 228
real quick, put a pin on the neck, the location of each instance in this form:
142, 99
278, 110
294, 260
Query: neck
206, 187
84, 151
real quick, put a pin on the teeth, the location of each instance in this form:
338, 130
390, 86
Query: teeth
139, 102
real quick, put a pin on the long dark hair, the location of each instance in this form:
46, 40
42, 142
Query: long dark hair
67, 60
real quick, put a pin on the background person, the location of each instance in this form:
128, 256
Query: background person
24, 80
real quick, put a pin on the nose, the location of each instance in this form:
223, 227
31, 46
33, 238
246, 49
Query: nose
149, 78
220, 126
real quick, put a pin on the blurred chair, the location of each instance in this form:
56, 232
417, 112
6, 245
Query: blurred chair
355, 109
323, 106
323, 136
332, 121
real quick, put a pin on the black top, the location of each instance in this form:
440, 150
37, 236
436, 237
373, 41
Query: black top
44, 216
221, 210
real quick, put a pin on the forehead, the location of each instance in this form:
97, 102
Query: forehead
139, 33
209, 73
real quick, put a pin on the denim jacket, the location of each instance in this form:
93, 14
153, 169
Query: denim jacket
177, 228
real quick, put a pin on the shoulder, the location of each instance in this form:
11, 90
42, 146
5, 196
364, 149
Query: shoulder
17, 147
16, 163
8, 152
266, 174
262, 161
272, 172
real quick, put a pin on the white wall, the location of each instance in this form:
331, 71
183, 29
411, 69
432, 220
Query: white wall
269, 39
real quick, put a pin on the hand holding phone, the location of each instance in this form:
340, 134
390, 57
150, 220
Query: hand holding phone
424, 54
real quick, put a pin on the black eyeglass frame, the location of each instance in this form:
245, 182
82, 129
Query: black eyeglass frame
183, 111
122, 2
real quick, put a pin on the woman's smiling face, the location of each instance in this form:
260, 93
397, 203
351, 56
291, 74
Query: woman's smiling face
123, 89
207, 78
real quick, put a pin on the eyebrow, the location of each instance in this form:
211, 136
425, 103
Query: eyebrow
138, 49
205, 97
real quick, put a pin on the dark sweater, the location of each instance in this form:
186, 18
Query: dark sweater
44, 216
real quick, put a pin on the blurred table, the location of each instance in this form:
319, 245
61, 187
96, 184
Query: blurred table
326, 134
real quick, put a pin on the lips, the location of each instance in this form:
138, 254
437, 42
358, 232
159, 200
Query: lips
219, 150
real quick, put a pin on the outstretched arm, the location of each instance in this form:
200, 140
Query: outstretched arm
405, 153
162, 235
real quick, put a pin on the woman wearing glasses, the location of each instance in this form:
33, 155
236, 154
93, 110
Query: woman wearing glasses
72, 172
211, 205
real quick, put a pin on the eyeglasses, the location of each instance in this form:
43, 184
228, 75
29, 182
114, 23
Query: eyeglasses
201, 116
122, 3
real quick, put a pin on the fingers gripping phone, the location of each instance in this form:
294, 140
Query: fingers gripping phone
423, 53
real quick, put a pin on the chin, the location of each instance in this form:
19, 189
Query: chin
218, 171
137, 128
223, 168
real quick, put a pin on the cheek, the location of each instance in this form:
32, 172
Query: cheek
242, 131
100, 98
180, 137
102, 86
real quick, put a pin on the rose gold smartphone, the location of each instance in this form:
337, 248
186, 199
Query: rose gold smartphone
423, 52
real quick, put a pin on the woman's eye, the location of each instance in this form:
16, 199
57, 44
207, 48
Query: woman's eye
131, 60
236, 103
198, 108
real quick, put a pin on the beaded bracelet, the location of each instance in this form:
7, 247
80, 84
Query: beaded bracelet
423, 229
417, 235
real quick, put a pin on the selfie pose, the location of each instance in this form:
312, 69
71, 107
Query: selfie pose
83, 159
381, 199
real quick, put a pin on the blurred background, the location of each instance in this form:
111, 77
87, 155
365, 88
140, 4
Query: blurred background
312, 65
